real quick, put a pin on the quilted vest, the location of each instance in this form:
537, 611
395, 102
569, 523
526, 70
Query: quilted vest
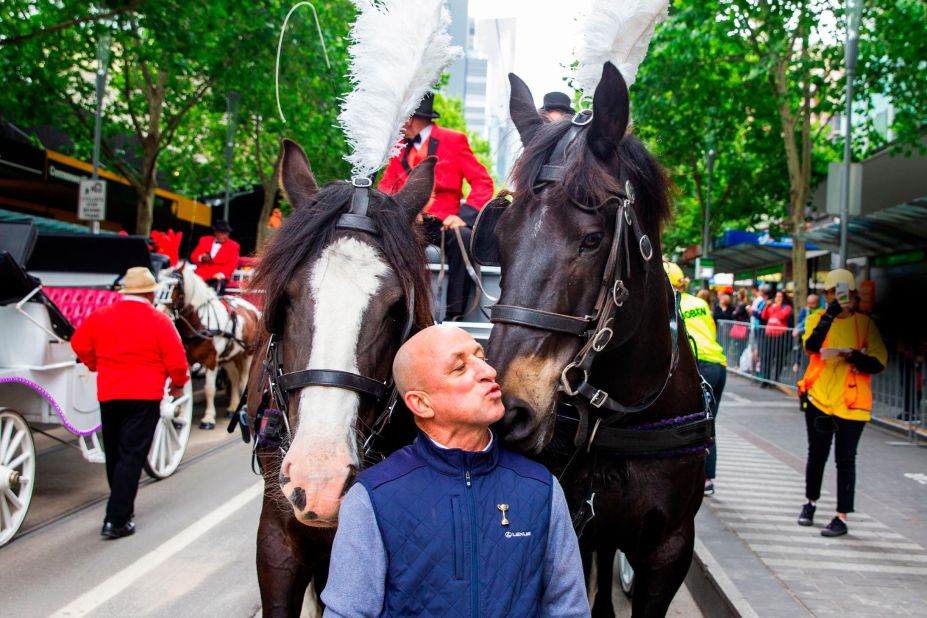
449, 552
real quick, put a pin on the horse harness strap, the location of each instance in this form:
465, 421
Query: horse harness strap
331, 377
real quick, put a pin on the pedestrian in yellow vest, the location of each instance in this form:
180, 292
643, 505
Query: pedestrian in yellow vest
836, 396
712, 364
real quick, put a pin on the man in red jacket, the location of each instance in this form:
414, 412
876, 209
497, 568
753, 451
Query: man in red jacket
216, 257
134, 348
445, 211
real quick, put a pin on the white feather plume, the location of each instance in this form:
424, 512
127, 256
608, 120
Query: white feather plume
399, 50
616, 31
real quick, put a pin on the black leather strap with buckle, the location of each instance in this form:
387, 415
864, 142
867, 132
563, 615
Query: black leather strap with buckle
332, 377
535, 318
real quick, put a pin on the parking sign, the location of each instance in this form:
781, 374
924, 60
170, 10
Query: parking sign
91, 202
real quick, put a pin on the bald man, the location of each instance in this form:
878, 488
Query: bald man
453, 524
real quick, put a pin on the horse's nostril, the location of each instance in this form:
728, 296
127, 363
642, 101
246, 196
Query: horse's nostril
518, 421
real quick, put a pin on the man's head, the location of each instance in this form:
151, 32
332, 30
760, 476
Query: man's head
813, 302
221, 230
556, 106
139, 281
421, 117
444, 379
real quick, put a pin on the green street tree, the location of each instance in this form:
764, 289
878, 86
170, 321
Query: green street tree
735, 74
166, 60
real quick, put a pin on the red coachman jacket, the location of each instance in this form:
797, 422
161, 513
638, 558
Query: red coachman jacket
456, 162
225, 262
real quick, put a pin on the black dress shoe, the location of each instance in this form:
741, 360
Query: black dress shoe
117, 532
205, 425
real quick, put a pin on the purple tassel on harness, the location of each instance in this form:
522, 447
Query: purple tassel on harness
271, 429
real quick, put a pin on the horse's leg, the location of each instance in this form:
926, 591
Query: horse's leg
209, 389
282, 576
243, 364
604, 565
234, 375
658, 577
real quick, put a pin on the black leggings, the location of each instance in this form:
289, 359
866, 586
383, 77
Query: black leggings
821, 429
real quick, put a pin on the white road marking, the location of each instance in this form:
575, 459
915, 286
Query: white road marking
119, 582
731, 395
920, 477
816, 565
814, 538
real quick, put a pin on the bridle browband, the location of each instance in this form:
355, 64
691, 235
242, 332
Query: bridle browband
281, 383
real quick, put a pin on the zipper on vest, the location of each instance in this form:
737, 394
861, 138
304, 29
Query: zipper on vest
474, 567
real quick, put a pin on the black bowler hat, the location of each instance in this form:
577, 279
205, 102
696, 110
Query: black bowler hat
426, 109
222, 226
557, 101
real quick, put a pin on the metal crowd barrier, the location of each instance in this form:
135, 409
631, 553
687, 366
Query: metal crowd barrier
775, 356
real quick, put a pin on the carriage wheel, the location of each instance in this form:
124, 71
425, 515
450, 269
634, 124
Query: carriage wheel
17, 473
171, 434
625, 574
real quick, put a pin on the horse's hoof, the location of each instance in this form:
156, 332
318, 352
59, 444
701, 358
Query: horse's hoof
205, 425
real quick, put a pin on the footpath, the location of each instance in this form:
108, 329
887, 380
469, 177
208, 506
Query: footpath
753, 559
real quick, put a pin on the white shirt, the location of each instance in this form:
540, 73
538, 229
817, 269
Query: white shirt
216, 245
424, 134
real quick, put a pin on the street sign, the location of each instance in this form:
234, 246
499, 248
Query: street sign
91, 201
704, 268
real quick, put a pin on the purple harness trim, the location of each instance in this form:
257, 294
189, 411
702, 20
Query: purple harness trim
669, 422
51, 401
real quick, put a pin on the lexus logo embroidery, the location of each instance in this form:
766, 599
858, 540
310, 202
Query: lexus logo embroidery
503, 508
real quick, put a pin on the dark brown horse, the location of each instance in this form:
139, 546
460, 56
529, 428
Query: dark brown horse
585, 302
337, 303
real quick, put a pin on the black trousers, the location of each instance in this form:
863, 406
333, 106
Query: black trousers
218, 285
128, 428
457, 281
716, 376
822, 430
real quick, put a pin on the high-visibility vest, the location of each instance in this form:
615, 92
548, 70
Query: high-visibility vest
857, 385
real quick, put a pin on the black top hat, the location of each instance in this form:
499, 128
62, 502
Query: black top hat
557, 101
426, 109
222, 226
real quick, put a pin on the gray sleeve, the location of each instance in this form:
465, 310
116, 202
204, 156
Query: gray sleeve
564, 584
357, 573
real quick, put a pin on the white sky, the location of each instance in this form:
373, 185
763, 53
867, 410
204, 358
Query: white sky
545, 38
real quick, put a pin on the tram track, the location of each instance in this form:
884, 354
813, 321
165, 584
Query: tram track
88, 504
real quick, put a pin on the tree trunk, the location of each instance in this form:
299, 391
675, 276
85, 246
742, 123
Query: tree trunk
270, 196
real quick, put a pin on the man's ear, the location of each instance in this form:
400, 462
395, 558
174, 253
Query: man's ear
419, 404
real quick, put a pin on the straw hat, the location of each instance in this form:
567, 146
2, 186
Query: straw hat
138, 280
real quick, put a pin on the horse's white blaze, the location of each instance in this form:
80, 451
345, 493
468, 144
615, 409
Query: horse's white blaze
343, 281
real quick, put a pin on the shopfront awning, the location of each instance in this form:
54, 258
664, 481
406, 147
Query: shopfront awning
738, 251
892, 230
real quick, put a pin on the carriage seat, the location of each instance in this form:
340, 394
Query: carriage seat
78, 303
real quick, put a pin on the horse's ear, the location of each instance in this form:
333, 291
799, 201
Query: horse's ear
611, 109
416, 193
521, 108
295, 177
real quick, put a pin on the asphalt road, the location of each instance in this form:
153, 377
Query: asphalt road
193, 553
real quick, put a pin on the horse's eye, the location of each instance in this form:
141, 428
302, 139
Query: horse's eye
590, 241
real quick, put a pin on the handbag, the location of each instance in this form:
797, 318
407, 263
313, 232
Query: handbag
739, 331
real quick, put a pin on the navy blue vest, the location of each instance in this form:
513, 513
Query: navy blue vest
448, 552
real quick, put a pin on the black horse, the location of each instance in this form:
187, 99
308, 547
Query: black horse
585, 302
342, 289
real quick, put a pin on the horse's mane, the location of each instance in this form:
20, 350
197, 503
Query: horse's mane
311, 228
588, 181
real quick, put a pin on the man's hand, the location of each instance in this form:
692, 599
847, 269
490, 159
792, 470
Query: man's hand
205, 258
175, 391
219, 276
453, 221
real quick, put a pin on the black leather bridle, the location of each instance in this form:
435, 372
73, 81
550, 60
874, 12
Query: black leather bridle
281, 383
595, 328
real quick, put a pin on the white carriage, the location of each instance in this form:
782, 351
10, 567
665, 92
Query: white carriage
41, 382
